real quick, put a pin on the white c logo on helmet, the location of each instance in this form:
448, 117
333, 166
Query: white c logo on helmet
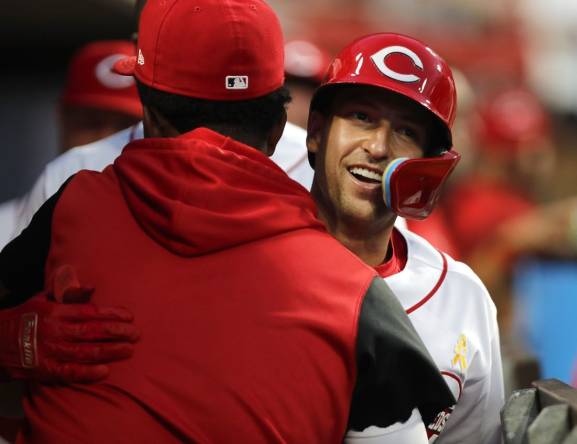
380, 58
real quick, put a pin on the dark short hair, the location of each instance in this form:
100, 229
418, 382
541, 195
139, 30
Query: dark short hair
253, 118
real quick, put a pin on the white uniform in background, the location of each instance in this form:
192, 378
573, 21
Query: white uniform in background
290, 155
9, 211
457, 320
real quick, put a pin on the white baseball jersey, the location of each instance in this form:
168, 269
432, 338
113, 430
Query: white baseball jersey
8, 214
456, 319
290, 155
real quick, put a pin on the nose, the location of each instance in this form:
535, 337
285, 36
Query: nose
377, 141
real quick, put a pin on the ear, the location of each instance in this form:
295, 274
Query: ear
315, 129
275, 134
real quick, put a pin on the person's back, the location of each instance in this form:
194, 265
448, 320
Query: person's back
230, 291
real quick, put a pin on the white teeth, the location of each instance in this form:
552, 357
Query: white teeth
366, 173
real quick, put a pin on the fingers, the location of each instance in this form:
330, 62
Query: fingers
76, 295
66, 287
91, 331
87, 312
89, 353
75, 373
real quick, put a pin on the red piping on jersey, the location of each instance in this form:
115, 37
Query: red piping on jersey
456, 378
435, 288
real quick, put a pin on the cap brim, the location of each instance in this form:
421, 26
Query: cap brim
125, 66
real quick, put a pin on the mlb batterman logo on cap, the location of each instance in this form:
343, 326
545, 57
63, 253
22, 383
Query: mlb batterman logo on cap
208, 49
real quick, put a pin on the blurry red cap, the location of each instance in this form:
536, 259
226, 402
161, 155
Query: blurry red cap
305, 60
208, 49
511, 119
91, 83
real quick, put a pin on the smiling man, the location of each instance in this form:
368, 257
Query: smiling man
379, 138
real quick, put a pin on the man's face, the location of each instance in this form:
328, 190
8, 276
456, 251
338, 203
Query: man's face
365, 129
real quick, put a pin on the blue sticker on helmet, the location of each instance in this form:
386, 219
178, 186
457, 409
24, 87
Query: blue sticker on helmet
391, 167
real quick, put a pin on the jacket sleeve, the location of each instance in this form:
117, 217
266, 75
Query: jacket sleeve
395, 372
22, 261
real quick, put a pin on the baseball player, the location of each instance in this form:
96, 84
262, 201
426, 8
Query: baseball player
95, 103
379, 138
305, 67
8, 215
197, 200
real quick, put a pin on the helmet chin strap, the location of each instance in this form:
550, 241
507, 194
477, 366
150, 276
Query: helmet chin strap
411, 187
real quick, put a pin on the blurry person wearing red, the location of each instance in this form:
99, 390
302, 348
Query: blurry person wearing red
494, 214
305, 67
96, 102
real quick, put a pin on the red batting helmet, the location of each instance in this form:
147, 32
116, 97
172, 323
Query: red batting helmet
305, 61
408, 67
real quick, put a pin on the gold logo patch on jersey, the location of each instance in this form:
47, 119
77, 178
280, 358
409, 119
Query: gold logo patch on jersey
460, 357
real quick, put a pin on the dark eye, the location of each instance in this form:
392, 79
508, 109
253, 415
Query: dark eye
409, 133
361, 116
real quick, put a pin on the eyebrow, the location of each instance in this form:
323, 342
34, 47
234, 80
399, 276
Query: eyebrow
413, 115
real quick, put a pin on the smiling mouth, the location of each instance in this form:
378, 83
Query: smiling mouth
365, 175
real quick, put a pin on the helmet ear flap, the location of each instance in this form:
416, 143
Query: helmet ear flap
412, 187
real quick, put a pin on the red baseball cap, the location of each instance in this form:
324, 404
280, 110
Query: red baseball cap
208, 49
305, 60
91, 83
511, 120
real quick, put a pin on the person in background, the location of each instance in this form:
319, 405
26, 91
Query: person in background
95, 103
290, 155
305, 67
497, 214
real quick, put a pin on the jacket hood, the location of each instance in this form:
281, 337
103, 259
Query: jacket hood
202, 192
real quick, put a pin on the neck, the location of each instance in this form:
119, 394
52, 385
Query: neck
369, 242
156, 125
